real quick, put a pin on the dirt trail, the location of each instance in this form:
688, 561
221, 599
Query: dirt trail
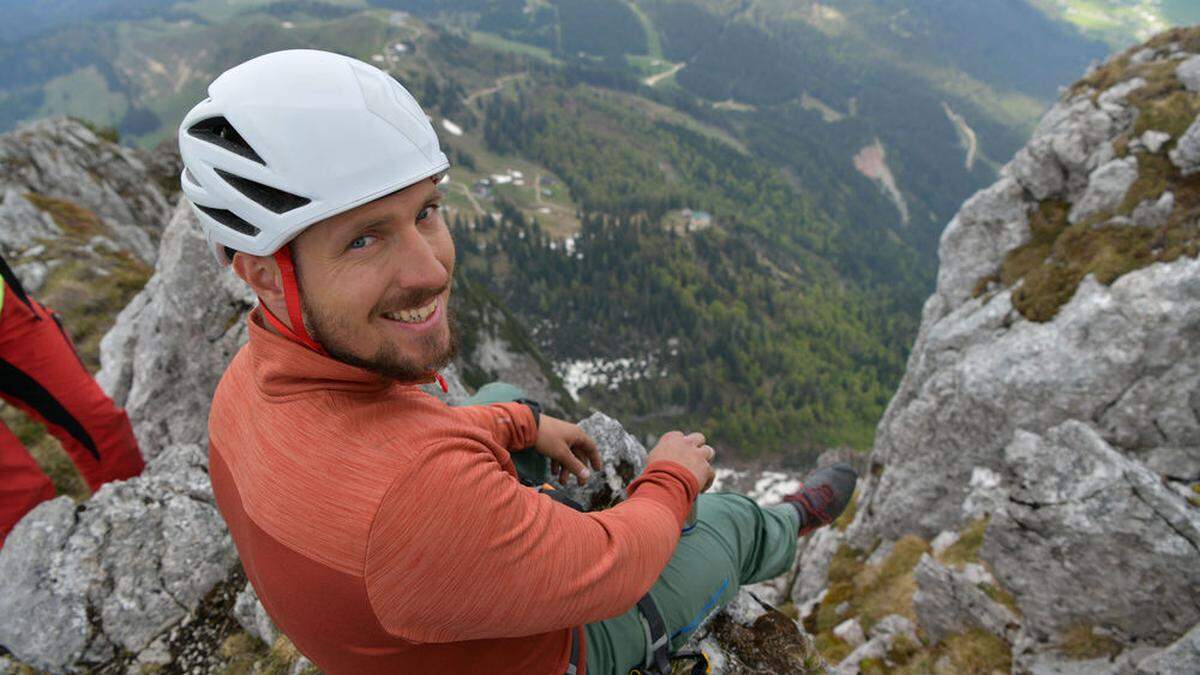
655, 79
471, 198
500, 82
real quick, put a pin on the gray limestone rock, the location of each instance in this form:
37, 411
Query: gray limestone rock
979, 373
1036, 167
1106, 189
1154, 213
624, 459
1118, 92
851, 632
22, 225
1154, 140
1182, 656
1179, 464
62, 159
1091, 537
1188, 72
85, 584
991, 222
948, 601
882, 636
1141, 56
184, 326
252, 616
1186, 154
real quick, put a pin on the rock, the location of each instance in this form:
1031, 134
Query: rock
83, 584
977, 375
1036, 167
62, 159
1156, 410
893, 626
850, 631
745, 608
624, 459
184, 326
252, 616
1188, 72
883, 635
943, 541
815, 552
1118, 92
1091, 537
1179, 464
1186, 154
1080, 134
1182, 656
1106, 189
23, 225
948, 602
1154, 140
1141, 56
1154, 213
992, 222
32, 274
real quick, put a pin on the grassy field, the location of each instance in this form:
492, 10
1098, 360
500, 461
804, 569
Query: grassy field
497, 43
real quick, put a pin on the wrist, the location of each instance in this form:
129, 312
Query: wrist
535, 408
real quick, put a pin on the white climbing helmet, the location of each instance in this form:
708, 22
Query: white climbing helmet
293, 137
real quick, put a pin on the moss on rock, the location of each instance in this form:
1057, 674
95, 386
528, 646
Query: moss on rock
1082, 642
1048, 268
966, 549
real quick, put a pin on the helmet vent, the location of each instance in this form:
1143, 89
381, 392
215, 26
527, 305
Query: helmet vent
218, 131
272, 198
231, 220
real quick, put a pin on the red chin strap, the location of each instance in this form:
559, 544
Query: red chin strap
291, 298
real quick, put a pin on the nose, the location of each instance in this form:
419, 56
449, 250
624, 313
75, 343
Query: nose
417, 264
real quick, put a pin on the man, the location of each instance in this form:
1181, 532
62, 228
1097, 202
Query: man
383, 530
42, 376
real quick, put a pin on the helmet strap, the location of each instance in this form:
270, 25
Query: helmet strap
291, 298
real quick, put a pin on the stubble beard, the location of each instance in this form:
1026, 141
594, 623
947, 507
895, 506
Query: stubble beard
387, 361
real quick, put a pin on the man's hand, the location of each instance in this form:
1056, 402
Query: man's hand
689, 451
568, 448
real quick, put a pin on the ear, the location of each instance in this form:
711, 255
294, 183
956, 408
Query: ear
262, 274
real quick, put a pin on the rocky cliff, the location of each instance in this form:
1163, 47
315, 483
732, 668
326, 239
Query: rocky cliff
1032, 493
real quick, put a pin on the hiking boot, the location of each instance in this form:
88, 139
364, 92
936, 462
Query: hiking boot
823, 496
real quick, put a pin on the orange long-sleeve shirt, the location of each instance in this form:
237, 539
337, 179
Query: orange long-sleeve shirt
385, 531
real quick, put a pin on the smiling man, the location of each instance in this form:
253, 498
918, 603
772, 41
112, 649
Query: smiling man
384, 531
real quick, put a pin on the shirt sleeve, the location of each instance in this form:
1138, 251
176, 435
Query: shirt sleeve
459, 550
511, 424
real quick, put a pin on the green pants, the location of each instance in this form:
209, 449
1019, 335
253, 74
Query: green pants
735, 542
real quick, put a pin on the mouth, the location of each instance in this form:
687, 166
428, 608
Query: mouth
416, 319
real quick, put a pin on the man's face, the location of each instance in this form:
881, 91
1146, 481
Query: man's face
375, 284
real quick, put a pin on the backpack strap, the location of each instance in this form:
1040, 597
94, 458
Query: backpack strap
573, 664
658, 657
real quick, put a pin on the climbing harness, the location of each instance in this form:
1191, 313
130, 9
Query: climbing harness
658, 645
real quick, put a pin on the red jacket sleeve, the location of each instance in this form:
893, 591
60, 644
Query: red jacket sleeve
459, 550
511, 424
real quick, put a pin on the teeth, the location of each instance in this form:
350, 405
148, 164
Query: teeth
413, 315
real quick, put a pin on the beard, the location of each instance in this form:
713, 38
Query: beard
387, 361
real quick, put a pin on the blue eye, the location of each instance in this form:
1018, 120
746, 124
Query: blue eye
423, 214
358, 242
